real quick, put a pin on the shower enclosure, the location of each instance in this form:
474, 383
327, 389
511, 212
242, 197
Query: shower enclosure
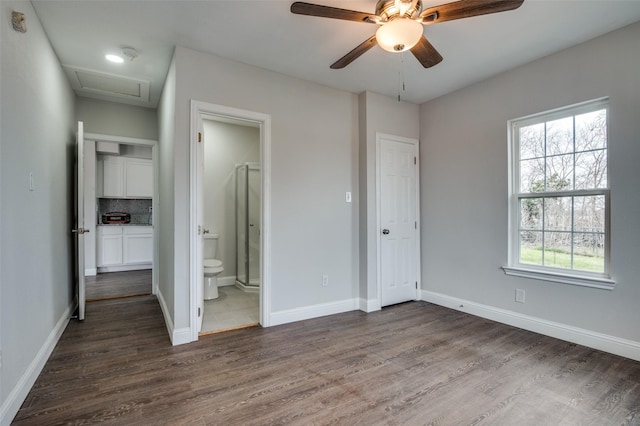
248, 226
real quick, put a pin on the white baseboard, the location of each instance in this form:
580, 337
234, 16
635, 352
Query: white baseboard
313, 311
124, 268
226, 281
369, 305
16, 397
180, 336
91, 272
177, 336
591, 339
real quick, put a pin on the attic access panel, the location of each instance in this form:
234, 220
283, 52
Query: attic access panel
91, 82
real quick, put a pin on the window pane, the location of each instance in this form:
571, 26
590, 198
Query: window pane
559, 174
532, 141
532, 175
557, 214
557, 249
591, 130
588, 214
531, 247
560, 136
588, 252
531, 213
591, 169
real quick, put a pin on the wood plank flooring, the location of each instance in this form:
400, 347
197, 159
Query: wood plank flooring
410, 364
118, 284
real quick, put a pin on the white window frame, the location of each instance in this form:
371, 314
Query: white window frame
547, 273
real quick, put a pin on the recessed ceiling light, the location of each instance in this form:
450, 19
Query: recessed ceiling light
114, 58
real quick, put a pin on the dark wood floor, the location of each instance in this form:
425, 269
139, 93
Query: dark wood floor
118, 284
410, 364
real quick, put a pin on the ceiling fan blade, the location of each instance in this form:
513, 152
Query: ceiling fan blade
301, 8
426, 54
466, 9
355, 53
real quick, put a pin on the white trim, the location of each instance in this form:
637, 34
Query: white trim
181, 336
90, 272
369, 305
122, 268
543, 272
19, 393
226, 281
178, 336
583, 280
99, 137
313, 311
263, 121
604, 342
416, 145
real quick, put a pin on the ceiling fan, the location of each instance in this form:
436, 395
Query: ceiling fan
401, 24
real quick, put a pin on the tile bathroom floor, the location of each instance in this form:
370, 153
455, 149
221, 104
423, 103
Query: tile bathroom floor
233, 308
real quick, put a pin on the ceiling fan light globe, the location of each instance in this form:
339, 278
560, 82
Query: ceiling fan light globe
399, 35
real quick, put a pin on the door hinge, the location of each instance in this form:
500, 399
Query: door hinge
415, 160
199, 310
415, 225
416, 287
199, 137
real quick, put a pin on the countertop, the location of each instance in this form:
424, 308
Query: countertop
124, 224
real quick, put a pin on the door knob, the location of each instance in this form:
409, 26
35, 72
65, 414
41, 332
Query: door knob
80, 231
385, 231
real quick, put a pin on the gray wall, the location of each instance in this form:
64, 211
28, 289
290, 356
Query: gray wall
110, 118
163, 214
314, 161
464, 184
36, 246
378, 114
225, 145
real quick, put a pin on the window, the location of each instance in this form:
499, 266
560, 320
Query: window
559, 201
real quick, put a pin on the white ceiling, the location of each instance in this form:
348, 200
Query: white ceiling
265, 34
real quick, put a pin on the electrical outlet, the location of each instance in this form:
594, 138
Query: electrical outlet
348, 197
325, 280
519, 295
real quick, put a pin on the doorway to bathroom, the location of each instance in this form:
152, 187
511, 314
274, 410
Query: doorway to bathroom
230, 236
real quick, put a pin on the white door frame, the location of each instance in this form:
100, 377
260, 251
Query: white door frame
153, 144
200, 111
416, 145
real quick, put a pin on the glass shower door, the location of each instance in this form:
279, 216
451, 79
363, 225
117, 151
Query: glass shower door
253, 233
241, 224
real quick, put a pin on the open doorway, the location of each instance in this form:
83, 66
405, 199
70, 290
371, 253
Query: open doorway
119, 196
230, 211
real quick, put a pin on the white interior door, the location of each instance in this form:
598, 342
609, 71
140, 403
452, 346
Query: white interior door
398, 219
79, 229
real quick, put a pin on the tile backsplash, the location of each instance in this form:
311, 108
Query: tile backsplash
138, 209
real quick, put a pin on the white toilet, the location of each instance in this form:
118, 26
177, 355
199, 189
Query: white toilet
212, 267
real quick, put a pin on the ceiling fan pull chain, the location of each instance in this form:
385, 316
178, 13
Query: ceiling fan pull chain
401, 85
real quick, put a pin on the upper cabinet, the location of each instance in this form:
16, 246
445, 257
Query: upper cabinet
124, 177
138, 178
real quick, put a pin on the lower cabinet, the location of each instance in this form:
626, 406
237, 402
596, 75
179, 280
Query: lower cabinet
122, 248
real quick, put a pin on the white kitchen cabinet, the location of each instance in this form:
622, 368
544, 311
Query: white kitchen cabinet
112, 177
122, 248
137, 244
138, 178
124, 177
109, 246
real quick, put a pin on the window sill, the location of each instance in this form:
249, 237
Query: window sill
584, 281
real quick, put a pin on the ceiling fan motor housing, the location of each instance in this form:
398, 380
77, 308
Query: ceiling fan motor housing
388, 9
